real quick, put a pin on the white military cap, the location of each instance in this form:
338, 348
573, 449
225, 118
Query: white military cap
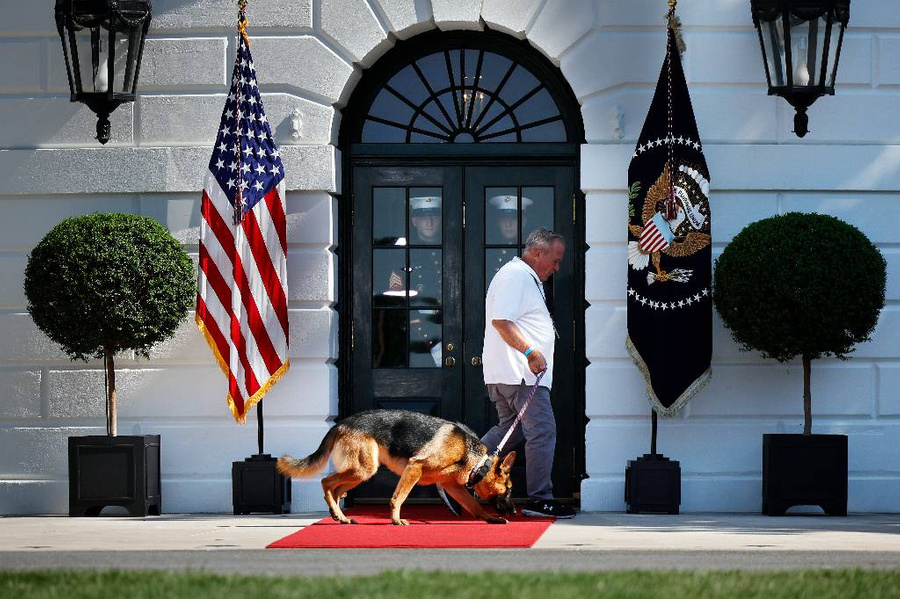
425, 204
508, 202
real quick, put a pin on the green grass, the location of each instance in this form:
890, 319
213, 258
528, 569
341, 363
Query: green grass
812, 584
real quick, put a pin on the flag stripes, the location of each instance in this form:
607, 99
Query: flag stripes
656, 235
652, 240
242, 302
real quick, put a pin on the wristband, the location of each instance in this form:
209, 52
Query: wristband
528, 351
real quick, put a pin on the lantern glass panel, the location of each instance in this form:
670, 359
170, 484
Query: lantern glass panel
807, 45
834, 43
772, 33
99, 81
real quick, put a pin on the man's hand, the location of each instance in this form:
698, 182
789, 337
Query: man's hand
536, 361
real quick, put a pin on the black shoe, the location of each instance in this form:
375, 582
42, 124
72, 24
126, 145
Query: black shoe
547, 508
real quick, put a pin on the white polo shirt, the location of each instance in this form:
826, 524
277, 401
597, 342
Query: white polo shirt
516, 294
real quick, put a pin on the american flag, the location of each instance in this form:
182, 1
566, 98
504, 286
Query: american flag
656, 235
242, 299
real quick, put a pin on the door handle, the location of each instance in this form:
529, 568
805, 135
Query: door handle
476, 360
451, 361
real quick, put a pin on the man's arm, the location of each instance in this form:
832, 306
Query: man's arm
516, 340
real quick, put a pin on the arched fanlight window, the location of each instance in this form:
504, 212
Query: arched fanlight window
463, 95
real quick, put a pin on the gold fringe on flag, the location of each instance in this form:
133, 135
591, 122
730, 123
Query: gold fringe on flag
256, 397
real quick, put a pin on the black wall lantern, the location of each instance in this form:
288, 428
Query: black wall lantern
102, 43
801, 46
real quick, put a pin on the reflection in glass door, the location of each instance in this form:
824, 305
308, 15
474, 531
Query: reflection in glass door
407, 286
406, 329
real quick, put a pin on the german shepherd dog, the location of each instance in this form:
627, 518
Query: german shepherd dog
419, 448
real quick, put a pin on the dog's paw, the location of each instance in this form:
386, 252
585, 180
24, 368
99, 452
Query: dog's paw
401, 522
496, 520
348, 521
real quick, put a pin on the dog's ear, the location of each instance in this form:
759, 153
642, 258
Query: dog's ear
507, 464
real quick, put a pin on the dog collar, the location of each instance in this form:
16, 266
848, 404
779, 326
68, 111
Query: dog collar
479, 472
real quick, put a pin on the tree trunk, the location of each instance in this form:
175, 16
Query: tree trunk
807, 397
111, 420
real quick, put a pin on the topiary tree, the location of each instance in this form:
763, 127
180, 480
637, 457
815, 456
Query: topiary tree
104, 283
807, 285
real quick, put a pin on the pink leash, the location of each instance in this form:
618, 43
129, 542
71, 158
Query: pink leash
520, 414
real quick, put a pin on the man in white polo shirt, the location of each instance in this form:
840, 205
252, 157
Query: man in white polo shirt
519, 337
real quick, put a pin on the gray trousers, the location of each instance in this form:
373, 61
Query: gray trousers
537, 428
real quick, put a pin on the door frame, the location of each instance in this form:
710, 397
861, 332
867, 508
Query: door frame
462, 155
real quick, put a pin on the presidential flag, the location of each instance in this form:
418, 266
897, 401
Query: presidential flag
669, 298
242, 299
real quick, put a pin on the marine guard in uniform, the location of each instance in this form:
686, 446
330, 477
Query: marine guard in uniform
425, 289
506, 221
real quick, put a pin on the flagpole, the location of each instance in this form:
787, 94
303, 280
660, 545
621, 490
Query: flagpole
259, 426
653, 419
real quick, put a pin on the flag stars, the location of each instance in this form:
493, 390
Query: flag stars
245, 161
655, 305
668, 140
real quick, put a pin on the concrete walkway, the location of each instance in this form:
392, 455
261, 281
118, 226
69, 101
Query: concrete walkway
591, 541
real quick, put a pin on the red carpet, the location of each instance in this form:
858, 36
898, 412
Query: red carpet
431, 526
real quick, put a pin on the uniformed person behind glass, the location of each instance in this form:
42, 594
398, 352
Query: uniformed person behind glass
425, 218
505, 217
425, 282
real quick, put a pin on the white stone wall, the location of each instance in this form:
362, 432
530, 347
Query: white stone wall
310, 54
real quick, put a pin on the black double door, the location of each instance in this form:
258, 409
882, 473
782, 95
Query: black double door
426, 242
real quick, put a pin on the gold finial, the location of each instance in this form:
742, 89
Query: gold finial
242, 20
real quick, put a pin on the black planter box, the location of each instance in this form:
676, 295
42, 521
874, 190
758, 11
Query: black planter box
653, 484
804, 470
258, 487
114, 471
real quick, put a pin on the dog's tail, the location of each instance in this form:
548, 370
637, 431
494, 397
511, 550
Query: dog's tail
313, 463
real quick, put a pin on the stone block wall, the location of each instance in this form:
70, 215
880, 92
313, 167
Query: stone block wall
310, 54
